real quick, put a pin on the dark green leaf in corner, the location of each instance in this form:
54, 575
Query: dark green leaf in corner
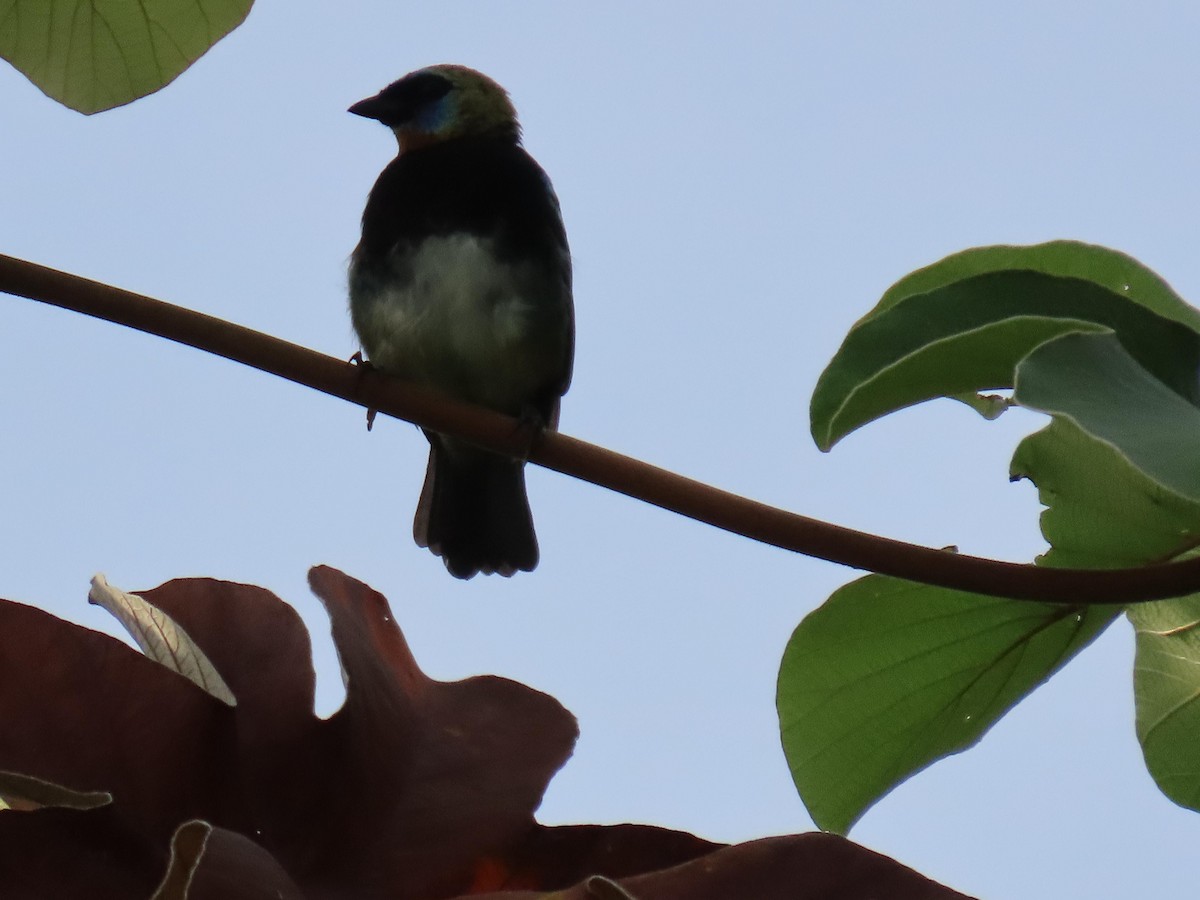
93, 55
963, 324
889, 676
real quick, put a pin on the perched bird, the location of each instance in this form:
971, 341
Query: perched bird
462, 282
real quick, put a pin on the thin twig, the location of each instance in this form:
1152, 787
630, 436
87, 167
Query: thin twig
595, 464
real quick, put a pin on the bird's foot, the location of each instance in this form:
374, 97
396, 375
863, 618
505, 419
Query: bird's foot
364, 365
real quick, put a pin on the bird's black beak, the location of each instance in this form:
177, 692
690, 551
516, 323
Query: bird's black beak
372, 108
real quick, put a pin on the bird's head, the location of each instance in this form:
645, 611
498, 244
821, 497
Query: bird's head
440, 103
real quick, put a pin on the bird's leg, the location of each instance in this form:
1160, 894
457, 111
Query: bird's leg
364, 365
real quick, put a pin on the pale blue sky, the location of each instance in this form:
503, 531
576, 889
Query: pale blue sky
740, 183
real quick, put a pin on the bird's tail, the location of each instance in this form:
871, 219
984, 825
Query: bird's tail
474, 512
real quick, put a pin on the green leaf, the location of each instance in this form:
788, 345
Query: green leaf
1167, 693
1101, 513
1108, 268
1092, 380
963, 324
889, 676
93, 55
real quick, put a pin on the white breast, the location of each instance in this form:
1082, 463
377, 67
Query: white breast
453, 316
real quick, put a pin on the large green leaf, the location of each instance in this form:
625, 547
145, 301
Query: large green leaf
889, 676
1167, 692
1092, 380
964, 324
92, 55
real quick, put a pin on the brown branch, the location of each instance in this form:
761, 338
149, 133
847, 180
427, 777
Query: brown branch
595, 464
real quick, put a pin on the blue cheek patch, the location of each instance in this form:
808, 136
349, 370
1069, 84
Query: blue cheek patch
434, 117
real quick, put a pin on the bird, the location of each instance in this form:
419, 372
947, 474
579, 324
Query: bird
462, 282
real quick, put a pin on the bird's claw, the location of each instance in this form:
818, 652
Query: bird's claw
364, 365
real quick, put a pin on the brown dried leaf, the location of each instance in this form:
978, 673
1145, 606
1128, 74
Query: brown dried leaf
415, 790
441, 774
449, 771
